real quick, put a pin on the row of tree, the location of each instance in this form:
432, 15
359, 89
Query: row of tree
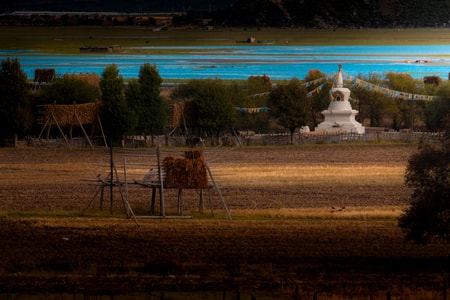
137, 107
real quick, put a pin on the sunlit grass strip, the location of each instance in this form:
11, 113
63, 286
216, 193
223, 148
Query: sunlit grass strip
322, 213
104, 218
285, 175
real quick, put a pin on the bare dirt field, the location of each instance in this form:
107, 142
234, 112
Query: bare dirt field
250, 178
308, 221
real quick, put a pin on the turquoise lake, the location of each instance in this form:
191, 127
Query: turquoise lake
242, 61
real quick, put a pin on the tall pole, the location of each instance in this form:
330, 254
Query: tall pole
218, 192
111, 185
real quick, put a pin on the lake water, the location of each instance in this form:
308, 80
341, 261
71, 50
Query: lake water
242, 61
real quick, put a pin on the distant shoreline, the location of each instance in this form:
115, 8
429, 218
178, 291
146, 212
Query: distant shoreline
238, 62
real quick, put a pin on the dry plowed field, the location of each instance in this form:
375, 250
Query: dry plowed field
306, 220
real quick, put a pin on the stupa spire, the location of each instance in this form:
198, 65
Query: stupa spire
339, 82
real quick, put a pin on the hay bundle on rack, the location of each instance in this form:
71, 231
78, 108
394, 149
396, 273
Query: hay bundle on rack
177, 120
187, 172
65, 114
92, 79
44, 75
182, 112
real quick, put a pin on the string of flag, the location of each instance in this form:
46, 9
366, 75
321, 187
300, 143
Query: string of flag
315, 81
252, 110
260, 94
316, 90
388, 92
306, 84
356, 81
266, 109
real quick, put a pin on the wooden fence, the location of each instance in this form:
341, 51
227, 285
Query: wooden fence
328, 138
247, 140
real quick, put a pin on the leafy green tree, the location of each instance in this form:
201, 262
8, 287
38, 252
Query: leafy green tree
215, 110
404, 117
258, 121
117, 117
428, 173
373, 105
319, 99
15, 108
319, 102
259, 88
314, 74
69, 90
255, 92
367, 102
289, 104
436, 110
144, 98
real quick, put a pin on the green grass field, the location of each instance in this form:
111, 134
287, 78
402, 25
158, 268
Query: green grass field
66, 40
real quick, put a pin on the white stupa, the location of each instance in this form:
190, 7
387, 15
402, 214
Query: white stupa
340, 116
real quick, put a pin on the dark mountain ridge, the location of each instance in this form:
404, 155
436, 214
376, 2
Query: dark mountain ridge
274, 13
344, 13
121, 6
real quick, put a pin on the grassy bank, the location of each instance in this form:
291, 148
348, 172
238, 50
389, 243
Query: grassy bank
67, 40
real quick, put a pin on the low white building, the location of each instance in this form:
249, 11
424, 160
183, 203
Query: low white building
340, 117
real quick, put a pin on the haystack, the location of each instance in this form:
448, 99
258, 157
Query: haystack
64, 114
187, 172
44, 75
91, 79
